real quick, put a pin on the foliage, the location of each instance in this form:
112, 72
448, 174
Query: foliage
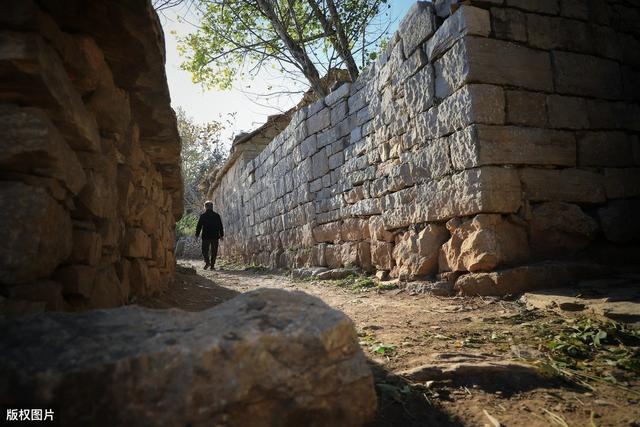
186, 226
587, 339
356, 283
585, 350
237, 38
201, 152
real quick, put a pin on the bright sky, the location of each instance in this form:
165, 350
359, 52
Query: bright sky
205, 105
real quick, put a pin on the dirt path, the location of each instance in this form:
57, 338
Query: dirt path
469, 338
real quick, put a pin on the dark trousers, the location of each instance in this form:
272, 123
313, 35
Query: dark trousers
213, 244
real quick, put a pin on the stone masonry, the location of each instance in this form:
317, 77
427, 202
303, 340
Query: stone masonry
495, 143
90, 182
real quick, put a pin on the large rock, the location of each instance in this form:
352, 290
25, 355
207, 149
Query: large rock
491, 145
619, 220
417, 26
35, 232
483, 243
560, 229
29, 143
32, 73
524, 278
416, 254
467, 20
267, 358
477, 59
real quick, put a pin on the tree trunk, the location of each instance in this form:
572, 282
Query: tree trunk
345, 51
339, 43
300, 55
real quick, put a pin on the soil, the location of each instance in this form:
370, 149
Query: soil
400, 332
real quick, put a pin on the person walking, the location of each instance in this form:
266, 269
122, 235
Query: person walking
210, 224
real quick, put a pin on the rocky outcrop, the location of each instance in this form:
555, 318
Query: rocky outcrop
89, 153
511, 124
267, 358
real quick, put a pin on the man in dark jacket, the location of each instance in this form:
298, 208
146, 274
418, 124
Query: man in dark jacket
211, 226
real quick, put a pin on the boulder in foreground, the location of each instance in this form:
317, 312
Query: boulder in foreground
267, 357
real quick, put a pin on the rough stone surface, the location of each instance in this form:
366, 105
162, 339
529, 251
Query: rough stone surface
89, 152
559, 229
519, 279
496, 145
618, 220
266, 357
483, 244
570, 185
511, 109
467, 20
36, 233
417, 26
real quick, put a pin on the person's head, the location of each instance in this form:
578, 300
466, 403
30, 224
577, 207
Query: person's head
208, 205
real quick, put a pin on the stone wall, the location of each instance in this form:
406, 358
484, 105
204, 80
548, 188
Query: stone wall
491, 138
90, 182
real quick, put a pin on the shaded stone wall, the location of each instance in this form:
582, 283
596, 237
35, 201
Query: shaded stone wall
491, 137
90, 183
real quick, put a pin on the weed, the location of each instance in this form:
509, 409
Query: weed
383, 349
386, 286
356, 283
580, 350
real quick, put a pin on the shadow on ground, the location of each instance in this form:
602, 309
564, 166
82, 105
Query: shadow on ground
190, 292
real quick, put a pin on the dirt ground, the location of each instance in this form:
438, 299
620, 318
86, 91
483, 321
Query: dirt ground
473, 341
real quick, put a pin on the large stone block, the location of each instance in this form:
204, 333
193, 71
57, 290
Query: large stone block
419, 91
76, 279
467, 20
526, 108
622, 183
35, 232
509, 24
417, 26
319, 121
618, 220
564, 185
107, 290
354, 229
32, 73
479, 145
567, 112
87, 247
471, 104
483, 60
416, 254
377, 230
139, 278
602, 81
29, 143
46, 291
486, 189
136, 244
320, 164
267, 357
560, 229
551, 7
99, 197
382, 255
328, 232
549, 32
520, 279
483, 243
604, 149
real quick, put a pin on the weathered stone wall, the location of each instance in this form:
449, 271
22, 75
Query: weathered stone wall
490, 137
90, 181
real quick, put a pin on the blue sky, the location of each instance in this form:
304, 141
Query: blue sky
209, 105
